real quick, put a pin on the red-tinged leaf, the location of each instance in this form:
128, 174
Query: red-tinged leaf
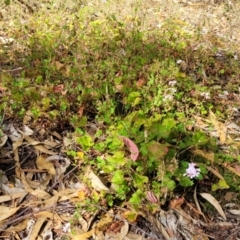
132, 147
177, 202
80, 111
157, 149
141, 82
237, 168
59, 89
151, 197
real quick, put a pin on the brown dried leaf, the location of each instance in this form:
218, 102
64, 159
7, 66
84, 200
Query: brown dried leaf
40, 194
124, 231
7, 212
133, 236
19, 227
215, 203
95, 181
42, 164
220, 127
38, 146
83, 236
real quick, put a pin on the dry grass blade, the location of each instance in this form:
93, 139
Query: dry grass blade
197, 204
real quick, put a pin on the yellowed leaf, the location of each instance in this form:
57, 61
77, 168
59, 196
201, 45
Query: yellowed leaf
37, 227
38, 146
46, 214
124, 231
41, 194
84, 224
51, 144
7, 212
47, 165
51, 201
57, 135
3, 138
80, 155
83, 236
215, 172
105, 221
27, 117
131, 216
58, 65
215, 203
209, 156
233, 170
19, 227
95, 180
81, 195
12, 196
219, 127
133, 236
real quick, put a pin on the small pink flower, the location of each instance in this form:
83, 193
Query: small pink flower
191, 171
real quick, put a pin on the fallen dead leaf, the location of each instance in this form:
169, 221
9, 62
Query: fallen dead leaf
219, 127
19, 227
7, 212
95, 181
215, 203
133, 236
3, 138
42, 164
130, 216
124, 231
41, 194
38, 146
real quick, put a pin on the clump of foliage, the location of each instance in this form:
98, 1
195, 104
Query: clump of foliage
108, 80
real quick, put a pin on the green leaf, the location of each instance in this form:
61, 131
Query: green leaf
166, 127
133, 98
115, 143
136, 198
139, 180
170, 184
220, 185
85, 141
108, 169
7, 2
185, 182
169, 123
117, 159
136, 101
118, 177
200, 138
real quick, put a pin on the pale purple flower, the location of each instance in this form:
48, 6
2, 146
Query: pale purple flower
191, 171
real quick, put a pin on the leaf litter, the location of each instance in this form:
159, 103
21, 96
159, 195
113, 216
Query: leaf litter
32, 201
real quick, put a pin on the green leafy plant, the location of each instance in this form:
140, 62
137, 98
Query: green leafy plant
130, 97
